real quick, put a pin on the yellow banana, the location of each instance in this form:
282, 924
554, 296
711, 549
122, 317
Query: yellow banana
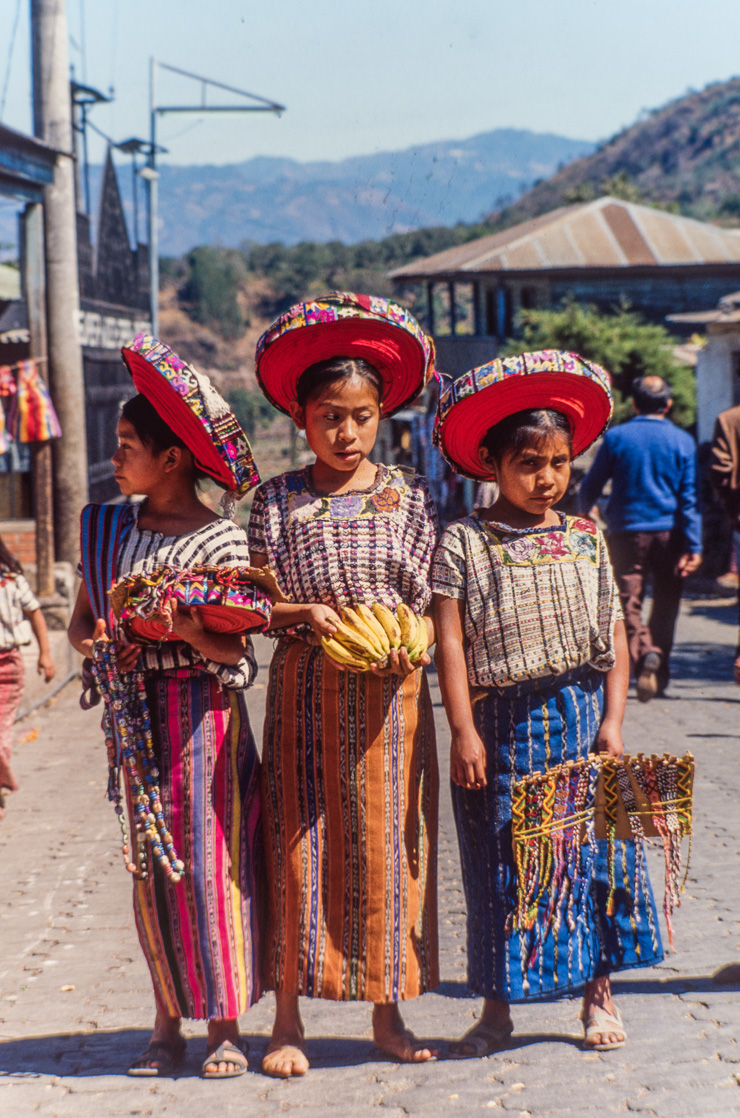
354, 622
381, 637
423, 642
389, 623
409, 626
354, 642
340, 654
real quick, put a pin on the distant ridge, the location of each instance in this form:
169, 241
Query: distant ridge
685, 154
366, 197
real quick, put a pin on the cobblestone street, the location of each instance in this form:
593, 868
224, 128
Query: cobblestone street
76, 1004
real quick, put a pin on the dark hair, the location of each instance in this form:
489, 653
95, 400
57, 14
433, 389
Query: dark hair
526, 428
8, 561
651, 394
322, 374
154, 433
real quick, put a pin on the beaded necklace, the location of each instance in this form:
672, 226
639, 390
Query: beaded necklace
128, 738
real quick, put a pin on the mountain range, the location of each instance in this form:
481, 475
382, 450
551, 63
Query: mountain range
365, 197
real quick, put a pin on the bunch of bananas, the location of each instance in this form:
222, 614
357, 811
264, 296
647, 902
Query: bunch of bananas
366, 636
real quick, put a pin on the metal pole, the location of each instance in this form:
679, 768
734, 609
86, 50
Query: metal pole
53, 124
34, 290
153, 199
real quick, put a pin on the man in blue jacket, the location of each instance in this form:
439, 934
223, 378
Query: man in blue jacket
653, 523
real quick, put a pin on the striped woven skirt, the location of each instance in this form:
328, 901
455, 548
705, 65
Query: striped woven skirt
200, 936
349, 793
535, 731
12, 675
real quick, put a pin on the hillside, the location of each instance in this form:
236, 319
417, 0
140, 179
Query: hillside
267, 200
684, 155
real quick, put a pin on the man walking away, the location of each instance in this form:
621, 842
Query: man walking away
654, 526
725, 475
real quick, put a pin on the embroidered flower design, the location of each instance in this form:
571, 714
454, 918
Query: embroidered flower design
583, 544
387, 500
344, 506
520, 551
581, 524
553, 545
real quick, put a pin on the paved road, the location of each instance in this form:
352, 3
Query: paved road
75, 1001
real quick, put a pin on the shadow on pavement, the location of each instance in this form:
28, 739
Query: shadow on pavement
724, 612
694, 661
678, 984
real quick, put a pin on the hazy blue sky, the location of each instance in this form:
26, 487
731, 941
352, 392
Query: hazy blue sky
359, 77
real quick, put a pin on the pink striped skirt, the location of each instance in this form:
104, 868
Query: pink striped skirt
12, 675
200, 936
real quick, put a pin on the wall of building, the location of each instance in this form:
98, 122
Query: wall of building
653, 296
455, 355
717, 381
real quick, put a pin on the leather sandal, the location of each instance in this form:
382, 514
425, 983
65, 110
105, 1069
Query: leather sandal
164, 1055
226, 1053
601, 1023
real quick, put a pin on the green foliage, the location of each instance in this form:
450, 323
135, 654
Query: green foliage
212, 289
252, 410
295, 272
622, 342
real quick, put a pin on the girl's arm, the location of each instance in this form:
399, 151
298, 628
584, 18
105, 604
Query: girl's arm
41, 633
609, 738
467, 752
85, 628
223, 648
322, 619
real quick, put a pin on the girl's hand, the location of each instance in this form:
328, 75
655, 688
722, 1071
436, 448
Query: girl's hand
468, 759
187, 623
100, 633
609, 739
126, 655
322, 619
400, 664
46, 666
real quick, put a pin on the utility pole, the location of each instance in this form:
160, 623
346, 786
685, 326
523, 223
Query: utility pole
52, 123
254, 104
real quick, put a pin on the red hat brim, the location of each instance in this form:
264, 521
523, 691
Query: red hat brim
178, 415
394, 352
581, 399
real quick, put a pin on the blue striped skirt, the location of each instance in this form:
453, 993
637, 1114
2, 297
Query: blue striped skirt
533, 730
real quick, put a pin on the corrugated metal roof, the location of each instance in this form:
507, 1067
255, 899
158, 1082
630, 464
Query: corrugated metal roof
606, 233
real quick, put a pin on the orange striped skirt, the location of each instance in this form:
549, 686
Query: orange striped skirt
350, 789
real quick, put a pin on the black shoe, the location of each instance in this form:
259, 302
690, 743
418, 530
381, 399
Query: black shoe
647, 680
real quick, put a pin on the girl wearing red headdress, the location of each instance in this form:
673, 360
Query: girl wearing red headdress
349, 765
180, 704
533, 668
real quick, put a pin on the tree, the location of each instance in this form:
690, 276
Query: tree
622, 342
212, 289
251, 409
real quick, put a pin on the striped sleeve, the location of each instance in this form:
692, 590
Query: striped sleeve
449, 570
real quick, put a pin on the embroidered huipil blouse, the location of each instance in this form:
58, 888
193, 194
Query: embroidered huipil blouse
538, 601
373, 545
220, 544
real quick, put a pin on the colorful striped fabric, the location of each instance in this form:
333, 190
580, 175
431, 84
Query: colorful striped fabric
12, 675
350, 789
530, 729
32, 417
200, 937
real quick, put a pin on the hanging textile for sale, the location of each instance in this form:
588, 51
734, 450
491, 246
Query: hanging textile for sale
8, 398
36, 420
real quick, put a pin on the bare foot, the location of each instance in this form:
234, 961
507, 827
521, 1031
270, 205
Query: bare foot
736, 669
224, 1041
286, 1055
601, 1018
393, 1038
